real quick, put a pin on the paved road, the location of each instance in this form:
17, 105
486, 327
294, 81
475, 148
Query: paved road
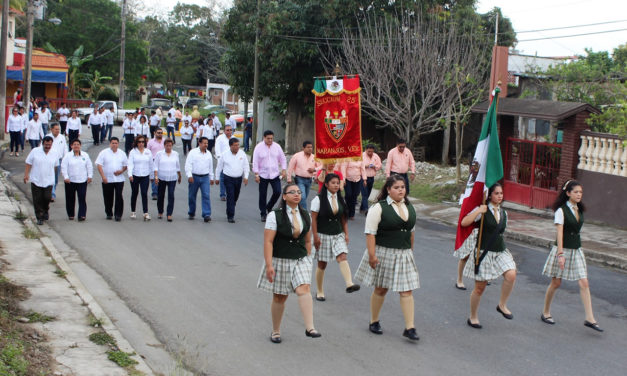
195, 284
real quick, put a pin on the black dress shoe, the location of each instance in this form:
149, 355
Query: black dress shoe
207, 219
275, 338
191, 217
593, 325
313, 333
70, 218
46, 217
320, 298
459, 287
81, 219
109, 217
411, 334
375, 327
231, 220
508, 316
40, 222
118, 219
547, 319
476, 326
352, 288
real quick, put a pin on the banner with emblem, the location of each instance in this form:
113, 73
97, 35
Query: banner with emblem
337, 119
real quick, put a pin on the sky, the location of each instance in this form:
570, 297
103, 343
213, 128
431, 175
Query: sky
530, 15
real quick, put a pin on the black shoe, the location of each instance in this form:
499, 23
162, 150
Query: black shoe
109, 217
352, 288
476, 326
46, 217
118, 219
81, 219
40, 222
207, 219
411, 334
70, 218
313, 333
593, 325
275, 337
547, 319
231, 220
375, 327
320, 298
263, 218
222, 198
459, 287
154, 198
191, 217
508, 316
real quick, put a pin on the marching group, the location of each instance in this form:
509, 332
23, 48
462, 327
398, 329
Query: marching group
291, 228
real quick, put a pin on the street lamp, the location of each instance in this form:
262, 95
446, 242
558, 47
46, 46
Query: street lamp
55, 21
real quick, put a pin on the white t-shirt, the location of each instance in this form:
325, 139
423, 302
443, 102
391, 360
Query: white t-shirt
112, 162
42, 166
63, 113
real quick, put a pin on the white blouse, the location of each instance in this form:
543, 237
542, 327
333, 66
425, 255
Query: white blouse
140, 164
77, 168
167, 166
112, 162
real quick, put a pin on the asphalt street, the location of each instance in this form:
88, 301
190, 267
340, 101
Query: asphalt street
194, 283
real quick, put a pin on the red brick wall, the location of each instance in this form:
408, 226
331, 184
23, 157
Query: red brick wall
573, 126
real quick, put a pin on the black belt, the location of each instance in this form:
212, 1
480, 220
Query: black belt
200, 176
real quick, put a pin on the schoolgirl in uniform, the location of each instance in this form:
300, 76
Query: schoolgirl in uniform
288, 261
566, 259
462, 253
330, 233
388, 262
494, 259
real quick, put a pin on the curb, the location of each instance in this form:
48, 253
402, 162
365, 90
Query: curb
82, 292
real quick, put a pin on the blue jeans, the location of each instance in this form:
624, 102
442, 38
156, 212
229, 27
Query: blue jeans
154, 188
365, 192
108, 130
203, 183
247, 137
45, 128
304, 184
56, 180
33, 143
266, 206
103, 132
232, 186
22, 137
222, 187
170, 185
352, 191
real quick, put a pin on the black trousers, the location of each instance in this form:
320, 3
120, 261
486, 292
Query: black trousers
15, 140
187, 146
233, 187
266, 206
128, 142
112, 192
63, 124
352, 190
71, 191
41, 200
72, 135
170, 186
140, 184
95, 133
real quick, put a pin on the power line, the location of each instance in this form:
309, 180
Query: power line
569, 27
573, 35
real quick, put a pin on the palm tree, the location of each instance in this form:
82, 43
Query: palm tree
95, 83
154, 76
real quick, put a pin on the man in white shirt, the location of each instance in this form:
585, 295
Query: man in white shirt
94, 123
62, 115
59, 146
108, 128
216, 123
199, 171
232, 168
103, 123
155, 123
111, 164
229, 121
34, 131
41, 165
187, 117
169, 124
222, 146
44, 116
129, 132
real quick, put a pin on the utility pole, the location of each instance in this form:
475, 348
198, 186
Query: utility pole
122, 55
28, 59
3, 57
496, 27
256, 80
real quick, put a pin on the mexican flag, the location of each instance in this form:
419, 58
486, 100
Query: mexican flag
486, 169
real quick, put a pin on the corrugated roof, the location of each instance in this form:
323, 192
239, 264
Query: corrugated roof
535, 108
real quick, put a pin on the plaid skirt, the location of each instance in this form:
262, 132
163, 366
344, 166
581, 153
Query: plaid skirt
396, 270
289, 274
494, 264
469, 245
574, 266
331, 246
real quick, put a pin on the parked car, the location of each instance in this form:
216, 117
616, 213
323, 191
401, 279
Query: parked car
120, 114
200, 102
239, 118
155, 103
217, 109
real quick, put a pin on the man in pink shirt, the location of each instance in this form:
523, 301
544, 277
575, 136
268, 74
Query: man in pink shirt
401, 161
372, 164
303, 167
355, 176
269, 165
155, 145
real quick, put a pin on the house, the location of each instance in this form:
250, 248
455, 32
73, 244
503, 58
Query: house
524, 74
222, 95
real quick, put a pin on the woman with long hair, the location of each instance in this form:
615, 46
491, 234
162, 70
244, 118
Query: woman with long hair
77, 172
288, 261
167, 174
388, 262
140, 165
330, 232
566, 259
494, 257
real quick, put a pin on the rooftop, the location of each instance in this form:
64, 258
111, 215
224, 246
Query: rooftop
535, 108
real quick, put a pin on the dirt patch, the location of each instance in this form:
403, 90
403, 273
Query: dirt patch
22, 348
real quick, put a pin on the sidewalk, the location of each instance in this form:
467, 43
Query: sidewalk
602, 244
35, 263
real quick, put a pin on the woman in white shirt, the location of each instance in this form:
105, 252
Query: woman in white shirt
77, 172
187, 133
34, 131
74, 127
167, 174
139, 167
14, 126
142, 128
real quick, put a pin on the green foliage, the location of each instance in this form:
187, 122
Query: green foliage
39, 317
12, 361
102, 338
121, 358
107, 94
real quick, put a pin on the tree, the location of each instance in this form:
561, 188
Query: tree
75, 62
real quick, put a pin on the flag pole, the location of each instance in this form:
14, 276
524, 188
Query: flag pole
478, 249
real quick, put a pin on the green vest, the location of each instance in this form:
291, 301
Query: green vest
284, 244
571, 238
329, 223
393, 232
489, 227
